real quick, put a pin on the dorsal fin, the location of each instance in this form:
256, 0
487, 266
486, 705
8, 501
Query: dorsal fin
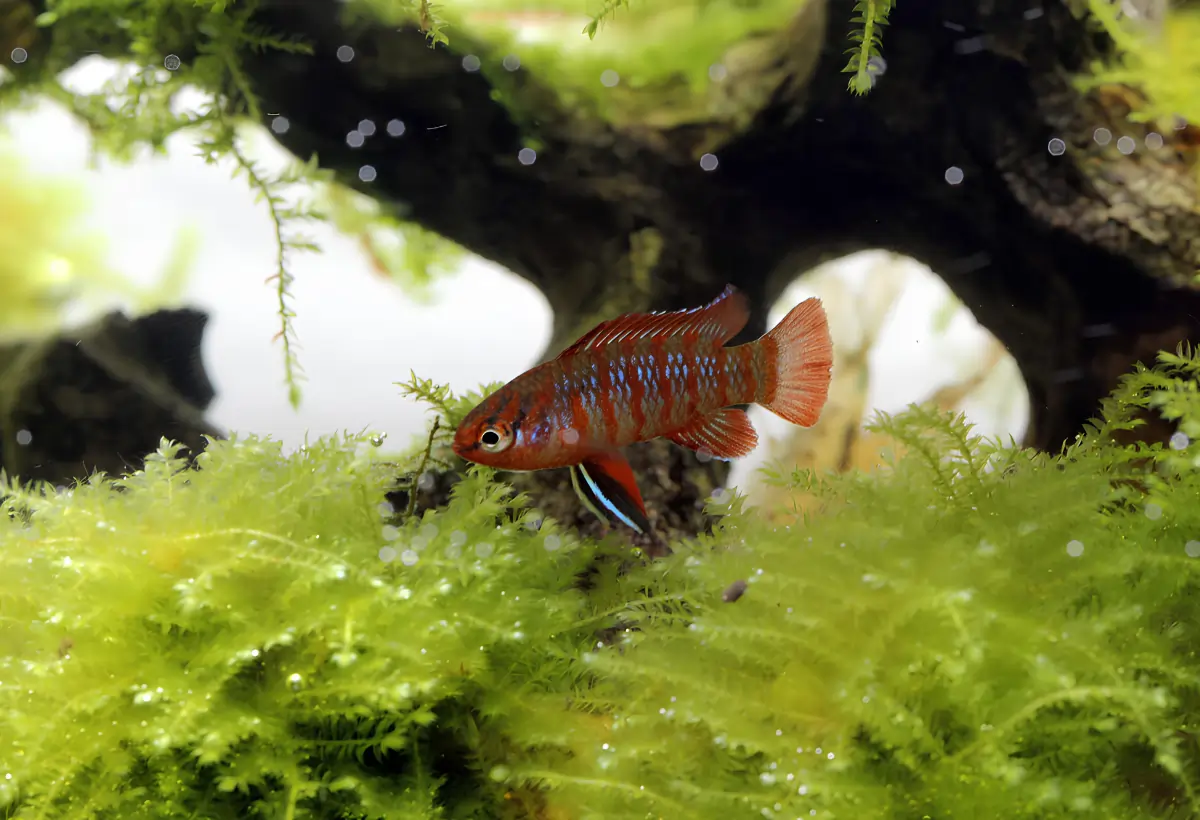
719, 320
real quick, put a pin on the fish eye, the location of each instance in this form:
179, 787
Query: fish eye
495, 438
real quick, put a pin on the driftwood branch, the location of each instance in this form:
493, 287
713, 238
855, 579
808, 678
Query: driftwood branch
975, 153
1074, 254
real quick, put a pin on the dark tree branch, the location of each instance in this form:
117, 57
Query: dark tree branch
1076, 260
1071, 259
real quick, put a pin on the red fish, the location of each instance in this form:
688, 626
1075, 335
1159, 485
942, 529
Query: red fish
647, 375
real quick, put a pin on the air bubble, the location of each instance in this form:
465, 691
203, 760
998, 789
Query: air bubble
1056, 147
1154, 141
527, 156
1192, 548
767, 779
458, 538
609, 78
345, 53
395, 128
552, 542
390, 533
280, 125
876, 68
1126, 145
24, 437
172, 62
1102, 136
408, 558
709, 162
355, 139
484, 550
387, 554
367, 174
295, 680
1074, 548
511, 62
570, 436
429, 531
19, 55
1179, 440
471, 63
366, 128
954, 175
1153, 512
717, 72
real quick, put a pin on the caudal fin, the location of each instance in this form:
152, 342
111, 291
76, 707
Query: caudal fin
803, 358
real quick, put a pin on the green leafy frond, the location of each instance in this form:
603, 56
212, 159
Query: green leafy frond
137, 108
432, 23
450, 408
974, 630
425, 14
221, 143
870, 17
1160, 59
608, 8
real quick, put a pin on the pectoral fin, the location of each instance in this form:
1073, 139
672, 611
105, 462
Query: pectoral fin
605, 481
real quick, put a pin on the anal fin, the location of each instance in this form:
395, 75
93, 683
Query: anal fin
726, 434
607, 480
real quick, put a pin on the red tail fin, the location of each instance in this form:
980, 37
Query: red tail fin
803, 358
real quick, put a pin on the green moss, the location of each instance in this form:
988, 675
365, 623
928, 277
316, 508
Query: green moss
1160, 59
250, 635
662, 52
975, 631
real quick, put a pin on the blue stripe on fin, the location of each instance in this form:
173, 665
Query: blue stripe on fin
609, 501
583, 496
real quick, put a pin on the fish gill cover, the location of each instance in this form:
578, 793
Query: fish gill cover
974, 631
